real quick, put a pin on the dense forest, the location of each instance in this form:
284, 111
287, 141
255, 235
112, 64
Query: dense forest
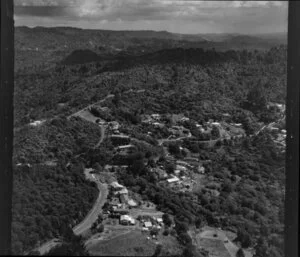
220, 81
50, 197
202, 84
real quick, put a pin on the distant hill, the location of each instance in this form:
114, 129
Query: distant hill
45, 46
81, 56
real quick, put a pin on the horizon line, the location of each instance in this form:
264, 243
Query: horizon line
136, 30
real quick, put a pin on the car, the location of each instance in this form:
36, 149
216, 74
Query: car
226, 241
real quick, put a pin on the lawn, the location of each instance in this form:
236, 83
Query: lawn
130, 244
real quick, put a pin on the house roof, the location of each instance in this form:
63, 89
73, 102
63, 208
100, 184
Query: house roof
148, 224
174, 179
123, 191
125, 146
159, 220
180, 167
115, 184
132, 203
127, 218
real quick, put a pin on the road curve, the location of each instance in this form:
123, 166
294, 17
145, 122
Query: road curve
93, 214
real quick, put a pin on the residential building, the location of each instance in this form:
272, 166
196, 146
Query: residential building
173, 180
132, 203
159, 220
116, 186
119, 139
181, 168
127, 220
148, 224
126, 149
123, 191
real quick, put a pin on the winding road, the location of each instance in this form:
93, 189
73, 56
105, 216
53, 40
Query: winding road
95, 211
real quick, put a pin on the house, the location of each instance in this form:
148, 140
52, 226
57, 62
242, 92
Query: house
155, 116
148, 224
123, 191
127, 220
37, 123
159, 220
116, 186
226, 114
173, 180
181, 168
201, 169
180, 131
126, 149
158, 125
132, 203
183, 163
183, 119
237, 124
119, 139
177, 172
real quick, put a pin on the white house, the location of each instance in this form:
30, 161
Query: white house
181, 168
148, 224
132, 203
173, 180
127, 220
159, 220
116, 186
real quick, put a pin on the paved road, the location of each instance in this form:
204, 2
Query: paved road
93, 214
101, 101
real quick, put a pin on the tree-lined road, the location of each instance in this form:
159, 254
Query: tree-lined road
96, 210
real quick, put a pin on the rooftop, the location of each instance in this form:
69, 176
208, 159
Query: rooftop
172, 180
115, 184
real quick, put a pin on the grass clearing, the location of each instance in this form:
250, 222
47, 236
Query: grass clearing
86, 115
130, 244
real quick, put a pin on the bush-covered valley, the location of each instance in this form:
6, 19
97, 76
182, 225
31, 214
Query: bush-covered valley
50, 190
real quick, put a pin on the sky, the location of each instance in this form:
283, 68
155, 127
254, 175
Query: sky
178, 16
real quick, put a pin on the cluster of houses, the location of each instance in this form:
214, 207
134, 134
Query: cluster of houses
36, 123
122, 144
180, 131
153, 119
279, 136
120, 203
226, 130
114, 126
181, 177
149, 222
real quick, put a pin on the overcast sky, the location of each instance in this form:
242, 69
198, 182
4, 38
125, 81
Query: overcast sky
245, 17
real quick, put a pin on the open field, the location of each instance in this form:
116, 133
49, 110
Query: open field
130, 244
218, 243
